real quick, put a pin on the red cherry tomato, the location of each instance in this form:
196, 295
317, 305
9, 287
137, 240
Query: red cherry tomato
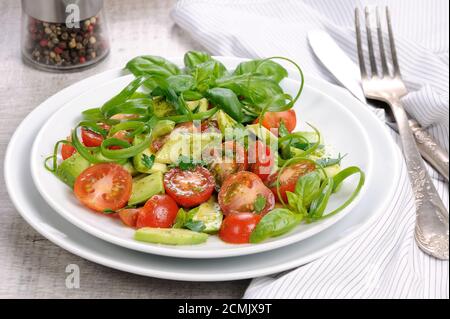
289, 178
240, 191
261, 159
121, 135
67, 151
103, 186
237, 228
232, 158
272, 120
129, 216
189, 187
91, 139
159, 211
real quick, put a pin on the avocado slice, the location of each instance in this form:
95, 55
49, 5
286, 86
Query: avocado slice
139, 161
170, 236
70, 168
162, 108
225, 121
209, 214
146, 187
198, 106
130, 168
187, 144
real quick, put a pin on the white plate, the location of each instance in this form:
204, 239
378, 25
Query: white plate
52, 226
337, 125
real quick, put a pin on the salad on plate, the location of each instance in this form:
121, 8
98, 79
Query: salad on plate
181, 154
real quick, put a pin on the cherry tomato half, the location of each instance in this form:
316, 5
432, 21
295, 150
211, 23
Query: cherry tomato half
289, 178
273, 119
103, 186
240, 191
67, 151
121, 135
91, 139
159, 211
261, 159
189, 188
232, 158
236, 228
129, 216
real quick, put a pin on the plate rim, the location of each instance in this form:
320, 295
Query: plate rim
174, 251
73, 247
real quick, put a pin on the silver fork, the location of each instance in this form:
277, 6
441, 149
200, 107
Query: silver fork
432, 227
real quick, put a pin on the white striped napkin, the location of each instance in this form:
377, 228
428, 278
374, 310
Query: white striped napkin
385, 262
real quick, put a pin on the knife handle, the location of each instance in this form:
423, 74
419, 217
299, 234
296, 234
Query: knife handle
430, 150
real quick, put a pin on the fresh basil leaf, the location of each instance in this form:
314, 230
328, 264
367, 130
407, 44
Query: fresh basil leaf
227, 100
277, 222
192, 95
307, 187
181, 82
152, 65
180, 220
257, 92
206, 74
260, 203
268, 68
194, 58
195, 225
325, 162
148, 161
293, 199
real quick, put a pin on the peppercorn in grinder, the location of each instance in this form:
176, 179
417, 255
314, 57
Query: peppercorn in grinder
63, 34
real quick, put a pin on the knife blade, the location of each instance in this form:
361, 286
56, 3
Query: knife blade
347, 73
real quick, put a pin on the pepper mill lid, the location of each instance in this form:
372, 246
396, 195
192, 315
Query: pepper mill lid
57, 11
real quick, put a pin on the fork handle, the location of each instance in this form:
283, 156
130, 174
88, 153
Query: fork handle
431, 231
432, 152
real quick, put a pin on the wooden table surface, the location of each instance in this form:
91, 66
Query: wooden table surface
30, 265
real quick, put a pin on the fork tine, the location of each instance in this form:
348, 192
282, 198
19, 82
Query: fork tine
384, 64
392, 43
373, 62
362, 63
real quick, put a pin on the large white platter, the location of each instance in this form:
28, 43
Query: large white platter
50, 224
339, 127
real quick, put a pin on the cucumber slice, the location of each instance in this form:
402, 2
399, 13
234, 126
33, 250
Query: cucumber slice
146, 187
69, 169
170, 236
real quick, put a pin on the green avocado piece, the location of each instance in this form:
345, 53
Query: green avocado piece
209, 214
130, 168
162, 108
170, 236
187, 144
146, 187
69, 169
198, 106
225, 121
139, 161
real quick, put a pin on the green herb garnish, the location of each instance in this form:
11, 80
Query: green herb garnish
148, 161
260, 203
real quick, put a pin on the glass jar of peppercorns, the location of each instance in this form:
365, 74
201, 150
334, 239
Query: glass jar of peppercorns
63, 34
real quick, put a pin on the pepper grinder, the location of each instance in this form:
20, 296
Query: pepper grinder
63, 35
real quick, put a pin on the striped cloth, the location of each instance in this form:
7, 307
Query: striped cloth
385, 262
